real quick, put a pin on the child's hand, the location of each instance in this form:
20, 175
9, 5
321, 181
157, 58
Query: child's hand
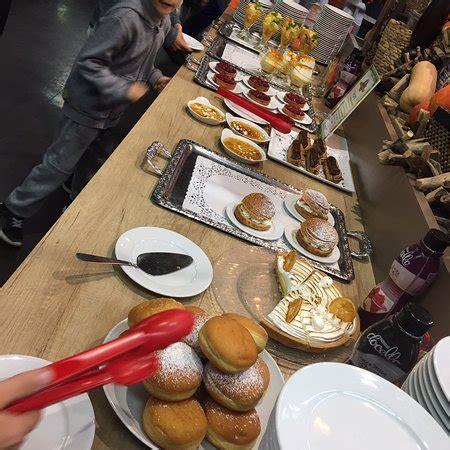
137, 90
180, 43
162, 83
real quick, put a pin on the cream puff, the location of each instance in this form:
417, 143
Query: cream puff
259, 334
255, 211
200, 318
312, 204
150, 307
317, 236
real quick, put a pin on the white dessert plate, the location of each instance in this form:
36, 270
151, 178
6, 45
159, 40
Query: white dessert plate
230, 119
289, 203
128, 402
213, 64
193, 43
305, 121
441, 365
290, 231
271, 92
272, 105
280, 97
243, 112
436, 387
237, 89
342, 407
186, 282
68, 425
226, 133
207, 120
275, 232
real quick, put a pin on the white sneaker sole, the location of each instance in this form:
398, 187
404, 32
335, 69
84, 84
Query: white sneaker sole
9, 241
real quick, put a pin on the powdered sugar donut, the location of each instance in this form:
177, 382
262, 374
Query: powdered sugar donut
201, 317
179, 374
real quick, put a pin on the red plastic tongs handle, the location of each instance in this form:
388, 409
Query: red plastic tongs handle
153, 333
280, 122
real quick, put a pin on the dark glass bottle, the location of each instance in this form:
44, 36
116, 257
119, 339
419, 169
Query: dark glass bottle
390, 348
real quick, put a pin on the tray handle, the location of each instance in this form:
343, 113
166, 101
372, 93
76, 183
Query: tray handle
365, 246
156, 148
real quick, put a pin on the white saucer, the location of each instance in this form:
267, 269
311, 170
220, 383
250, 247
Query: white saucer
272, 105
290, 231
271, 92
275, 232
305, 121
193, 43
237, 89
68, 425
280, 97
289, 203
183, 283
128, 402
213, 64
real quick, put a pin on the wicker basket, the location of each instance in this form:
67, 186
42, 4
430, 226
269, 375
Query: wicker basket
394, 39
439, 138
416, 5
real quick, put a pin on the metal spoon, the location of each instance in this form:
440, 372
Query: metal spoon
155, 263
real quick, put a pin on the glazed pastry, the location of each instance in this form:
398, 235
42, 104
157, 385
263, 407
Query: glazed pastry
331, 170
228, 345
312, 161
294, 99
317, 236
175, 425
321, 148
260, 84
312, 204
200, 319
224, 81
226, 69
150, 307
255, 211
179, 374
258, 333
231, 430
239, 391
294, 112
259, 97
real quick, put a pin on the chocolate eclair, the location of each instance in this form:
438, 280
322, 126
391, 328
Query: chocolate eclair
312, 162
321, 147
331, 170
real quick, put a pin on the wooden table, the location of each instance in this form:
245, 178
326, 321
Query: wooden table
54, 305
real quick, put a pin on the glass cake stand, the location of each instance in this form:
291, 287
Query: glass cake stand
245, 283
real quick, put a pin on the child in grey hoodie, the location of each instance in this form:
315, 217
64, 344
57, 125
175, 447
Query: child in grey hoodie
114, 68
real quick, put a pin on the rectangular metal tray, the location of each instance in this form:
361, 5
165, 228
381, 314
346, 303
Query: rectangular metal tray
173, 185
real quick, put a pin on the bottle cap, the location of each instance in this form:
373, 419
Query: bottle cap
437, 240
414, 319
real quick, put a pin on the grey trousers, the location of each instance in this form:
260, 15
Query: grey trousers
77, 150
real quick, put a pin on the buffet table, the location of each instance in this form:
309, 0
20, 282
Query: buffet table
55, 305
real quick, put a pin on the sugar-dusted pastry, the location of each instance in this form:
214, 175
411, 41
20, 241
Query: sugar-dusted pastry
150, 307
201, 317
317, 236
264, 370
332, 170
312, 204
259, 334
313, 161
255, 211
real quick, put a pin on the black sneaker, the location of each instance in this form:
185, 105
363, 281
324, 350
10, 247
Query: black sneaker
67, 185
10, 227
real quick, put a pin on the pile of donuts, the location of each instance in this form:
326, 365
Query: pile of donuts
208, 384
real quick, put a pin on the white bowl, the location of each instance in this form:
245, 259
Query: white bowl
226, 133
206, 120
230, 118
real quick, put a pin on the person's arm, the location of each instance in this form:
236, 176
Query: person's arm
95, 59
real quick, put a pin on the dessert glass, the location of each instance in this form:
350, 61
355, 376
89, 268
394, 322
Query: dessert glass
271, 60
253, 12
271, 25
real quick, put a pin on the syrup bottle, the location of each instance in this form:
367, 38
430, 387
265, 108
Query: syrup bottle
411, 273
390, 348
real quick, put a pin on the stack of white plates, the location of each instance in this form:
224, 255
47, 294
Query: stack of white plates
332, 27
429, 383
239, 15
288, 8
341, 407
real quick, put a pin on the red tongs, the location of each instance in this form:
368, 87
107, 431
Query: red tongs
280, 122
126, 360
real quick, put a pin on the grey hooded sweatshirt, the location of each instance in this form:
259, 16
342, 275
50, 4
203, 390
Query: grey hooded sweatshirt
120, 51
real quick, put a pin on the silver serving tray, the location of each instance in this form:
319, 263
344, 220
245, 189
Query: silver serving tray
174, 181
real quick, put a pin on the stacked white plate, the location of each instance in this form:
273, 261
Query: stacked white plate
288, 8
332, 27
429, 383
239, 15
341, 407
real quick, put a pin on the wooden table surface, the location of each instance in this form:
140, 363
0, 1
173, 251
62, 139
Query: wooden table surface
54, 305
